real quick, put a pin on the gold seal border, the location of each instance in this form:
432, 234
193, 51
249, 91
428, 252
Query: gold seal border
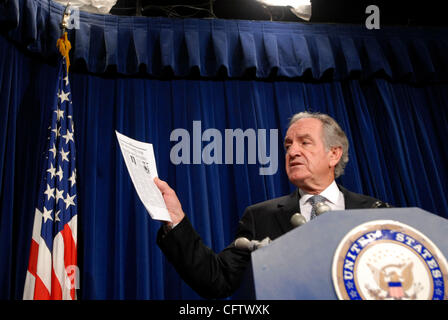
372, 226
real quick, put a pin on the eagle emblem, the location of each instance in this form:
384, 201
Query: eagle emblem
394, 279
389, 260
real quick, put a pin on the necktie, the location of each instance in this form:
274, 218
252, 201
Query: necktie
314, 200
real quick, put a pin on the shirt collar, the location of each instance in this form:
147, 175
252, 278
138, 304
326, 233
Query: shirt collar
331, 193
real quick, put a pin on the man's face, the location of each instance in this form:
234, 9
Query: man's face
308, 164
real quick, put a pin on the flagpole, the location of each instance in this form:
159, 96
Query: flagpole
65, 18
63, 44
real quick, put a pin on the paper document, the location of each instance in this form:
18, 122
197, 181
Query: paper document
141, 164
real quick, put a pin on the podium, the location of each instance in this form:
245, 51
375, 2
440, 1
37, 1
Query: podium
298, 265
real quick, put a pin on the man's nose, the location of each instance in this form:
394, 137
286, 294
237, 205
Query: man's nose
294, 150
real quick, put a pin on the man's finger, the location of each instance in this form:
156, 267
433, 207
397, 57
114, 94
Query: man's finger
162, 185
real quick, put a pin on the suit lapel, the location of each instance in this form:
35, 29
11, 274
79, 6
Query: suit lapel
350, 199
290, 205
287, 208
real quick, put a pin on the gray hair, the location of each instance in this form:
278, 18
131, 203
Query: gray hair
334, 136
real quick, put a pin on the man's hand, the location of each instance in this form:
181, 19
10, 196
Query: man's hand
171, 201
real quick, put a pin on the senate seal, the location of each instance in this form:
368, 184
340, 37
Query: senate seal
388, 260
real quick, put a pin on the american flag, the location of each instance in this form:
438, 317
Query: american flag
52, 268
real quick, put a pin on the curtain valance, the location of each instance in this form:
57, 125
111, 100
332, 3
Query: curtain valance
231, 48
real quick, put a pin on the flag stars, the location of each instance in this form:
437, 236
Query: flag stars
60, 173
49, 192
72, 179
47, 215
53, 150
69, 201
68, 136
59, 195
71, 123
63, 96
64, 155
59, 114
56, 218
52, 171
57, 131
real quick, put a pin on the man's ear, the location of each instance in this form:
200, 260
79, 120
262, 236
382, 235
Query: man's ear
335, 155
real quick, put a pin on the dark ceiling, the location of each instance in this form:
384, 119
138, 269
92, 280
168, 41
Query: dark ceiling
392, 12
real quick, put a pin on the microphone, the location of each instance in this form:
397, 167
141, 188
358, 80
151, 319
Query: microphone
251, 245
297, 220
244, 244
381, 204
322, 208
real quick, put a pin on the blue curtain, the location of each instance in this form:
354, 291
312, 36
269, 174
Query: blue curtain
397, 132
233, 48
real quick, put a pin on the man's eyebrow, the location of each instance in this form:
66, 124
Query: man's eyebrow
302, 136
306, 135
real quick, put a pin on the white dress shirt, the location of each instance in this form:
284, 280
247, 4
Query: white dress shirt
334, 196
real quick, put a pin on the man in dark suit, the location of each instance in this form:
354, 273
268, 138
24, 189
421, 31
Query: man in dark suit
316, 154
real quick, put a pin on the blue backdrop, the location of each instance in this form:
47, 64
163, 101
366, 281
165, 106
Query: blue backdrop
388, 90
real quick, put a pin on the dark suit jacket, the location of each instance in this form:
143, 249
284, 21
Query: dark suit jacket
218, 275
